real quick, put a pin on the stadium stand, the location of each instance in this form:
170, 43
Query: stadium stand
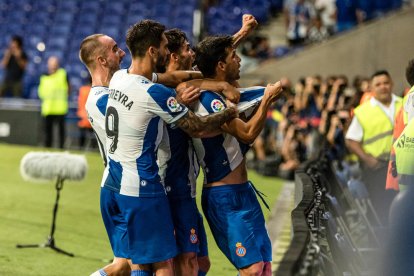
61, 25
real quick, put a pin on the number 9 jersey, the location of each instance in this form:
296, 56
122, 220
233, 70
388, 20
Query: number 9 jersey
134, 123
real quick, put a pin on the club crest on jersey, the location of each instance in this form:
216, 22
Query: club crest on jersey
217, 105
173, 105
240, 249
193, 236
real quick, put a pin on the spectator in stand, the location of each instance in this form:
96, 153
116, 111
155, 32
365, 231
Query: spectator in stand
348, 15
367, 9
53, 92
14, 62
83, 123
327, 9
384, 6
318, 32
298, 16
360, 85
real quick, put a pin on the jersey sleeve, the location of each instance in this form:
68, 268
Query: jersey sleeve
164, 104
209, 102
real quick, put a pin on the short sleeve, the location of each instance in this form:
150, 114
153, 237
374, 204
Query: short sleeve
210, 102
409, 107
163, 103
355, 131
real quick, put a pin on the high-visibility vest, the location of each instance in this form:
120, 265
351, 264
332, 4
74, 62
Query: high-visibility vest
377, 128
399, 125
404, 149
405, 115
82, 113
53, 92
404, 155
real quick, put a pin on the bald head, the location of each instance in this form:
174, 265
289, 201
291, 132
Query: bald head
90, 48
52, 64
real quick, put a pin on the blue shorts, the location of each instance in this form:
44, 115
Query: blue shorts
202, 236
139, 228
237, 223
186, 219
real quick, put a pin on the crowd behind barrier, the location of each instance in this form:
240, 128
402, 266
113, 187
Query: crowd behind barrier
332, 233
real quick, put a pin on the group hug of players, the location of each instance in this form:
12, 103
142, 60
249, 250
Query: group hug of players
157, 123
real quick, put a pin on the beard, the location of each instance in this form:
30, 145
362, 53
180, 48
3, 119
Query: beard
160, 64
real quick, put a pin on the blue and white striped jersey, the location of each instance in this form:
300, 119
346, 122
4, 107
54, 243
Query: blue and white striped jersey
221, 154
96, 108
136, 111
179, 164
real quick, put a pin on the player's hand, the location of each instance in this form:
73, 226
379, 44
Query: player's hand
188, 95
231, 93
233, 107
249, 23
272, 91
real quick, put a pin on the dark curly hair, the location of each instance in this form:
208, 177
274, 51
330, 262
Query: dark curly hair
210, 51
142, 35
409, 72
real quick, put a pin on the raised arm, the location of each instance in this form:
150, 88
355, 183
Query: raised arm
248, 131
249, 23
172, 79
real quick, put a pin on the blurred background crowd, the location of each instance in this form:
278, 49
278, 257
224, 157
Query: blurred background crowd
39, 38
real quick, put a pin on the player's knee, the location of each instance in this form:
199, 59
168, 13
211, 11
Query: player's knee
119, 267
255, 269
204, 263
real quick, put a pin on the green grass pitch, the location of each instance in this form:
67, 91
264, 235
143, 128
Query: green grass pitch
26, 215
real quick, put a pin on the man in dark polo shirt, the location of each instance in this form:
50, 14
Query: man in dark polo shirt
14, 62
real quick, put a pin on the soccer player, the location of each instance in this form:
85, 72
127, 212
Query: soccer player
102, 56
228, 200
181, 165
181, 175
132, 196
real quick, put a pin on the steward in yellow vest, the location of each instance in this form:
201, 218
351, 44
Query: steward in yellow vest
377, 129
53, 92
370, 137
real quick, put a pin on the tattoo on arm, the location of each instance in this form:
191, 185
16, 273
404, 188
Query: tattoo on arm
197, 126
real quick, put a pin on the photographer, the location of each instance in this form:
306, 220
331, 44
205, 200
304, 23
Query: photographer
14, 62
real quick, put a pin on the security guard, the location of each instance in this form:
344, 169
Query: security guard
370, 137
53, 92
399, 125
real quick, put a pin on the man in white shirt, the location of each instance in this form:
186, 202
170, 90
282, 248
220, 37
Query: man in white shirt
370, 137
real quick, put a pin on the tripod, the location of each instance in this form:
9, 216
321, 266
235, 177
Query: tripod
50, 242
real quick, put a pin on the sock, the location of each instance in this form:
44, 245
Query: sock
141, 273
201, 273
100, 272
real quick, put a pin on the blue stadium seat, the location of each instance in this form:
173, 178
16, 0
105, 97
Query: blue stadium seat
64, 18
57, 43
113, 19
115, 8
140, 8
91, 6
69, 6
60, 30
